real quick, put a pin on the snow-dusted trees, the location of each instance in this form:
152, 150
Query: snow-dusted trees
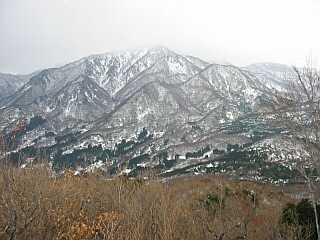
297, 109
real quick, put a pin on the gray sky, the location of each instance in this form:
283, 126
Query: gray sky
43, 33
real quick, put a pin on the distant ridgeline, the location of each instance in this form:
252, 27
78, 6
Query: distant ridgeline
133, 111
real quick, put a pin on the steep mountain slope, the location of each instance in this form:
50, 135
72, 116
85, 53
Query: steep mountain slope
10, 83
274, 75
118, 75
150, 108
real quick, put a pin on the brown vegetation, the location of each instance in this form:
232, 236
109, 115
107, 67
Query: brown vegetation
35, 205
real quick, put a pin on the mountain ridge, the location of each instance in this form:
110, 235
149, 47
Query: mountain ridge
150, 106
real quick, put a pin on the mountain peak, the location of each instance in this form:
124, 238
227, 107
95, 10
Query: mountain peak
160, 48
147, 106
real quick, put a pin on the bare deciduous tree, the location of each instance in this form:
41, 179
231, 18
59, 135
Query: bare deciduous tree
298, 110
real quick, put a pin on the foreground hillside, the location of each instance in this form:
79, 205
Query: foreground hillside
35, 205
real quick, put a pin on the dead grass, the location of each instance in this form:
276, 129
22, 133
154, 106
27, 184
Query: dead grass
35, 206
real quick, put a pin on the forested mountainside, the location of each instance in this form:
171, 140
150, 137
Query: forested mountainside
151, 109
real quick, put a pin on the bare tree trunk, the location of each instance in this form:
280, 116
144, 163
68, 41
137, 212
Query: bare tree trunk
314, 205
302, 101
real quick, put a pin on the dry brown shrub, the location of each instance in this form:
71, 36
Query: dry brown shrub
34, 205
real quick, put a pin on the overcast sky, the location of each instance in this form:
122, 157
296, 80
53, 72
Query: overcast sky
35, 34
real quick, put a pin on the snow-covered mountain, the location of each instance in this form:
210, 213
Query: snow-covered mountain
179, 104
10, 83
274, 75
